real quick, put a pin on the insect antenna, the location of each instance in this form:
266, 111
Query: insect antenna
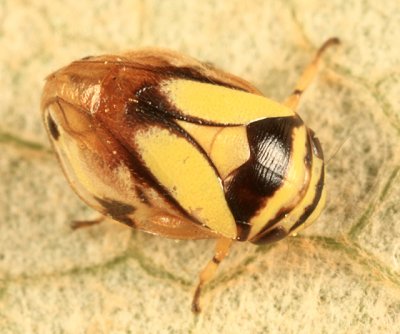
337, 150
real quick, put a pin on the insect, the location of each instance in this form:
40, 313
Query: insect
174, 147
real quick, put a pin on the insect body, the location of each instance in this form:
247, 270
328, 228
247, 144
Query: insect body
174, 147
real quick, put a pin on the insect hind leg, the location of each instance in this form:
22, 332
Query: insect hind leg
308, 75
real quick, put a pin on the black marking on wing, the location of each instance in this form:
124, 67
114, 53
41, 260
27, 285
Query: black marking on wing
117, 210
286, 210
273, 235
250, 186
151, 97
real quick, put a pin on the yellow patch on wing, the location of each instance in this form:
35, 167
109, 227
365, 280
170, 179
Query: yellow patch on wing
227, 147
289, 193
230, 149
188, 177
220, 104
204, 135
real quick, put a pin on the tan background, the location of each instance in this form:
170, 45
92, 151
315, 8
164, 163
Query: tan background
341, 276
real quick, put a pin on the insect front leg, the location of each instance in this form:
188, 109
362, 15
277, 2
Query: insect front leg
221, 251
308, 74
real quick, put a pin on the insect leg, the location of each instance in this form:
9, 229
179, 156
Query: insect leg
308, 75
86, 223
221, 251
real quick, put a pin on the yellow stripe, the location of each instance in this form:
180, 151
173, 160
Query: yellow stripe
220, 104
188, 176
230, 149
227, 147
290, 191
297, 212
202, 134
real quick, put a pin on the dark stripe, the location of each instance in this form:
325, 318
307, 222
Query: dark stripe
297, 92
248, 188
86, 58
140, 172
142, 195
117, 210
131, 118
141, 114
316, 145
192, 73
145, 175
147, 114
284, 211
150, 97
243, 230
53, 129
309, 156
274, 235
309, 209
215, 260
280, 215
127, 221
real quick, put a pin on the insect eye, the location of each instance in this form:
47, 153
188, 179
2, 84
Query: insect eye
316, 145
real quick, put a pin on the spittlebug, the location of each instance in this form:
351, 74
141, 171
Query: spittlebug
174, 147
